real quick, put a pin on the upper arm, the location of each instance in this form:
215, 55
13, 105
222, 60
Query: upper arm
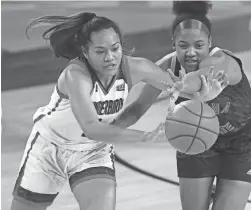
79, 86
229, 65
165, 62
144, 70
222, 61
234, 74
142, 96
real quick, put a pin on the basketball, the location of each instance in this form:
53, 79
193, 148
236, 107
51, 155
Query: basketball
192, 128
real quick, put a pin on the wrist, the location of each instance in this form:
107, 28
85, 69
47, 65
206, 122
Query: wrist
198, 97
145, 137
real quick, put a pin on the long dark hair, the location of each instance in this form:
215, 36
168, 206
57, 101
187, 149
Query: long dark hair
69, 33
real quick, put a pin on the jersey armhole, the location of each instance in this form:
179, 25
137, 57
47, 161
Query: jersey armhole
238, 60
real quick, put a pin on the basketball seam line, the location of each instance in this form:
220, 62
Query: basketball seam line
197, 114
189, 136
201, 111
192, 125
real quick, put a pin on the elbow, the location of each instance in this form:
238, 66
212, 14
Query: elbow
90, 130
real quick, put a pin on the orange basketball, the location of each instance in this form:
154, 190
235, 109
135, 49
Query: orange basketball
193, 127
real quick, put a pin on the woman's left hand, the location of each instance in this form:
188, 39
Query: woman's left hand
212, 85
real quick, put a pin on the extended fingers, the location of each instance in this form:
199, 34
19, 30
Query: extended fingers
173, 77
224, 84
205, 86
182, 73
221, 76
203, 79
210, 75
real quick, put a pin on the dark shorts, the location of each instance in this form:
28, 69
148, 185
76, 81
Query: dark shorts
229, 158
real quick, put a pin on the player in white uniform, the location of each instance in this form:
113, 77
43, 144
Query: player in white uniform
72, 138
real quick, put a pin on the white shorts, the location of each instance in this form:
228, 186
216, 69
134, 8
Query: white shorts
45, 168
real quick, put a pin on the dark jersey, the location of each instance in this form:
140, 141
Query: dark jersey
232, 106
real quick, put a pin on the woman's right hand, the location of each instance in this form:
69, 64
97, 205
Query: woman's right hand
157, 135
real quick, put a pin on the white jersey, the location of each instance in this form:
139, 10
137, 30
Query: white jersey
57, 123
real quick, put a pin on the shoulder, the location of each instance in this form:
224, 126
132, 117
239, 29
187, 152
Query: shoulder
231, 62
133, 69
139, 62
141, 66
77, 70
75, 74
77, 67
135, 60
139, 69
136, 64
227, 55
165, 62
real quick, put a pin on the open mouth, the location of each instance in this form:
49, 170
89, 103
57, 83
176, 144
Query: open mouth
110, 66
191, 61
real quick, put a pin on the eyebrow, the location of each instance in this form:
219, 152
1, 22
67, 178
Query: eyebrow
183, 42
200, 41
101, 47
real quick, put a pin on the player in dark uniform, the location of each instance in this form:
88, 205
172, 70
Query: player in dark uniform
229, 160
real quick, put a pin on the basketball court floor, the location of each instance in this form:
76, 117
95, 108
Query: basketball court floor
134, 191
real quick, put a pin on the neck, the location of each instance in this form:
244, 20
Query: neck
105, 80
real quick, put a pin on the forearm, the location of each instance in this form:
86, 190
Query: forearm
100, 131
195, 96
153, 75
140, 99
112, 134
125, 120
130, 115
205, 98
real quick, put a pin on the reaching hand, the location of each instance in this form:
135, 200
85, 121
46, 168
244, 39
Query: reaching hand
157, 135
175, 79
175, 89
212, 85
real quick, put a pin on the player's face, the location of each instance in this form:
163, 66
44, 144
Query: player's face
105, 52
192, 46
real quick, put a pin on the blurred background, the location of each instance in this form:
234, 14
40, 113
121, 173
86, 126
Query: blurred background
146, 25
29, 71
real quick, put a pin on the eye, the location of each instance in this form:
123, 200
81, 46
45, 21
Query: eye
183, 46
100, 52
199, 46
115, 49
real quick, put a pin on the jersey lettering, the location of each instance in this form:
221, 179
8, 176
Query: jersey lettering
109, 106
226, 128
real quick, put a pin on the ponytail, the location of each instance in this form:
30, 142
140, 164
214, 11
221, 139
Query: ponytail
63, 36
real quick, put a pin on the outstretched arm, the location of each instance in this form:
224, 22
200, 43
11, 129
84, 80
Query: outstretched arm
146, 93
78, 88
142, 97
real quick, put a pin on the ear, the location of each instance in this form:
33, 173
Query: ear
84, 51
210, 42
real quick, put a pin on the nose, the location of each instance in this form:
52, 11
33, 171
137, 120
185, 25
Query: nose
109, 56
191, 52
